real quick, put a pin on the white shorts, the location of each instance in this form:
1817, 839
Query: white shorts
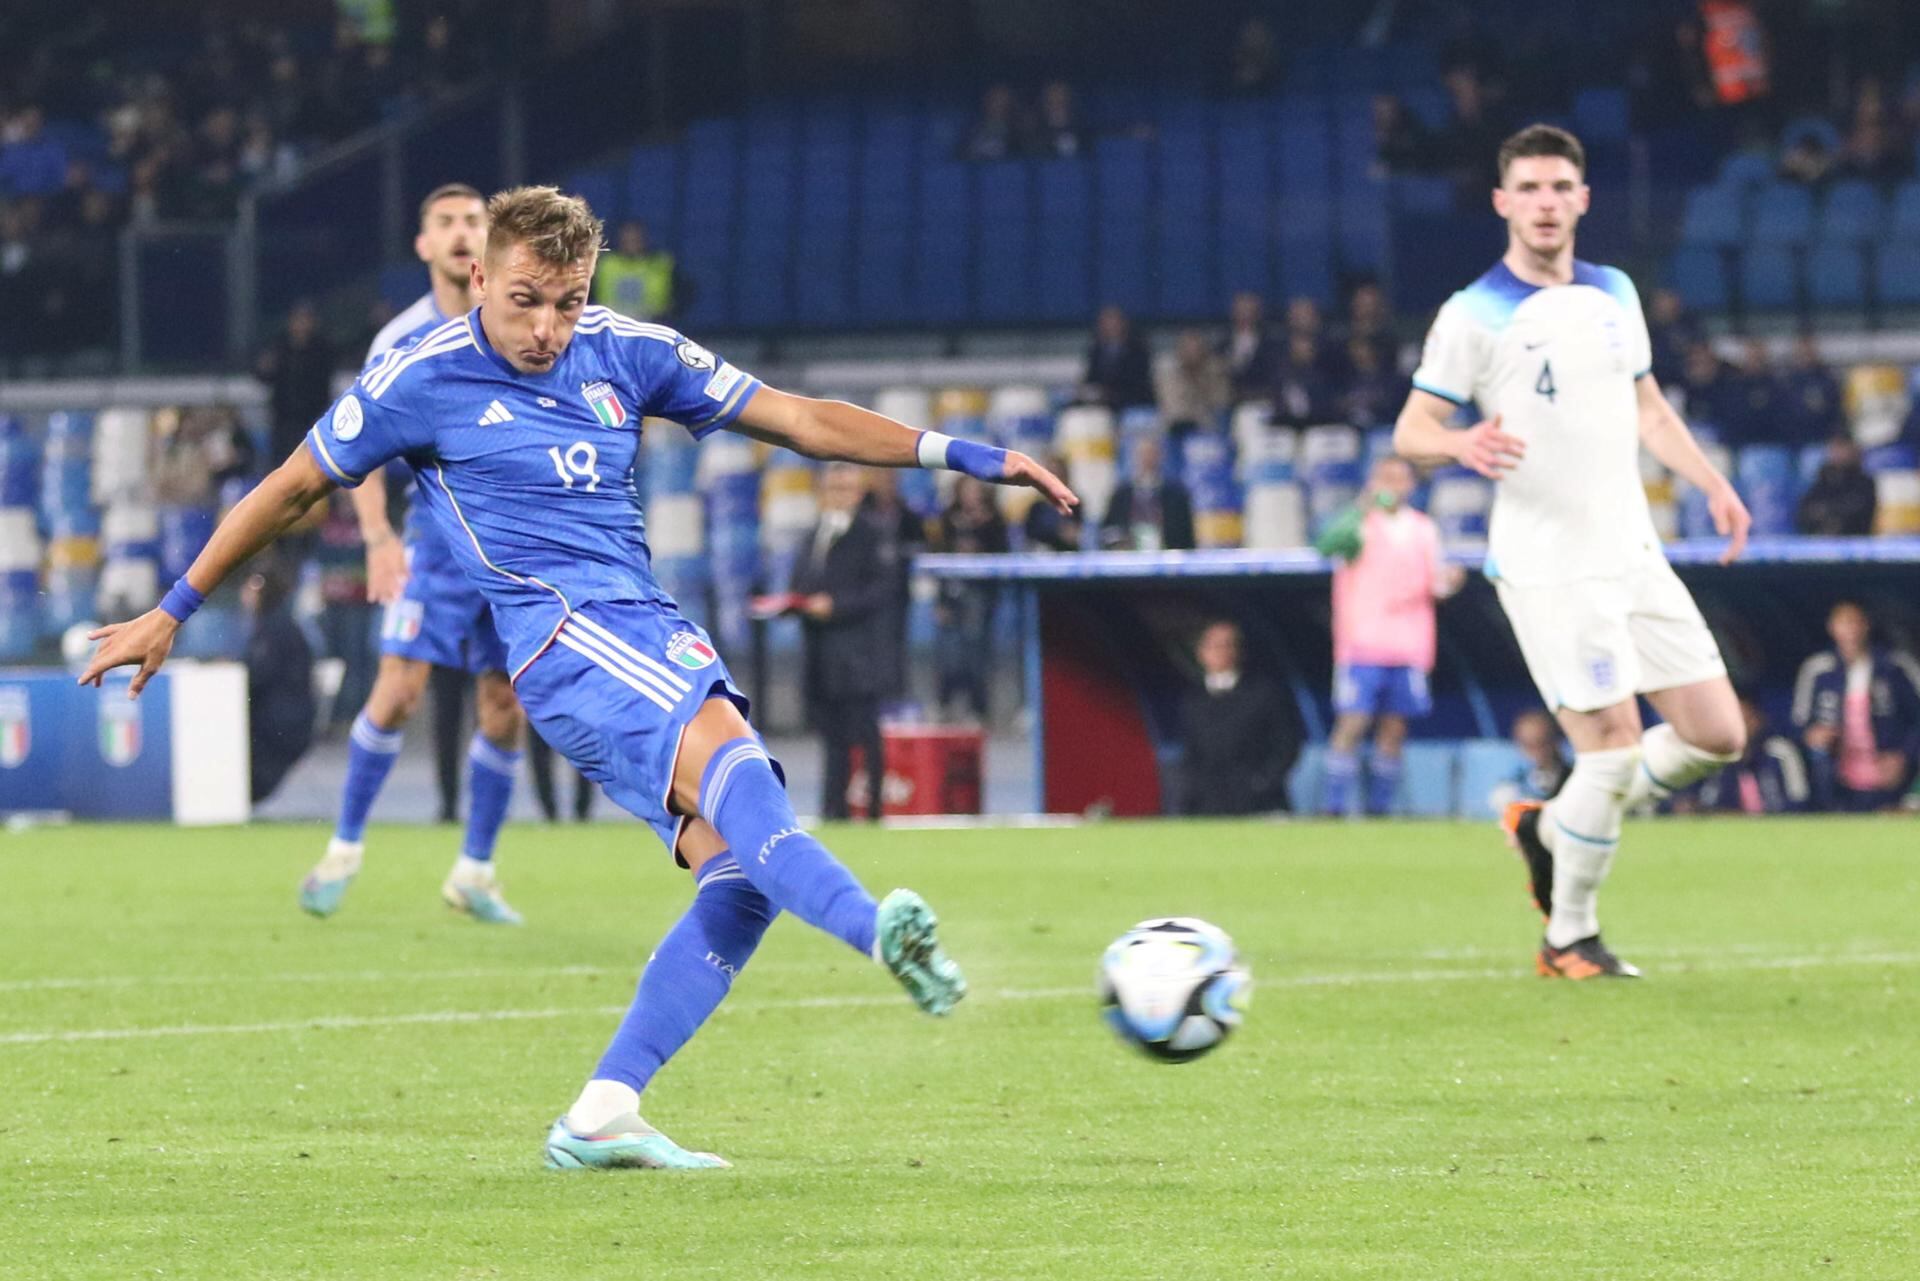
1598, 641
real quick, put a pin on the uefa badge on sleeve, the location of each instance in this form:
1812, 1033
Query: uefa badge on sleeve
690, 652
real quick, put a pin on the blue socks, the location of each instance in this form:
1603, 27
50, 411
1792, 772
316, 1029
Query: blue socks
370, 755
490, 772
690, 972
1336, 793
1383, 783
746, 803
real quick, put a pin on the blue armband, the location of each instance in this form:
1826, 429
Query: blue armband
969, 457
181, 600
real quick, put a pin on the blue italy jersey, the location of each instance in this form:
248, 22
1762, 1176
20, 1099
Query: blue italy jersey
529, 477
422, 317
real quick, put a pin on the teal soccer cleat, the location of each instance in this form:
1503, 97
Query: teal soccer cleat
326, 885
624, 1143
905, 938
479, 899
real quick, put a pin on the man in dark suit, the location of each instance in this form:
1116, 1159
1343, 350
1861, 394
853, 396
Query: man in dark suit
1152, 511
1119, 367
849, 597
1239, 734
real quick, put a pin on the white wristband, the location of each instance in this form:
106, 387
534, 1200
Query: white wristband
933, 450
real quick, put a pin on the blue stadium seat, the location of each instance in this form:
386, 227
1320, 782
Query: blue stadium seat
1121, 261
653, 190
1121, 179
1713, 216
1064, 276
1767, 279
1600, 115
1898, 456
1852, 213
1744, 169
1837, 277
1003, 276
1769, 482
880, 278
1429, 105
1904, 223
1782, 215
600, 188
1896, 274
1002, 191
1699, 273
1305, 155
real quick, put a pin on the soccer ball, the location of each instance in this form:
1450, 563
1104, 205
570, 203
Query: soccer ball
1173, 987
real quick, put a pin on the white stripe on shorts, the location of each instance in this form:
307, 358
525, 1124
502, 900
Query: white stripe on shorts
566, 638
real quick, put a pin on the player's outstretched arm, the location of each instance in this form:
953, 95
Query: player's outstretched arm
386, 558
1421, 435
262, 516
838, 432
1666, 437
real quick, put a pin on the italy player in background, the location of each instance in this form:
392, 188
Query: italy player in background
1555, 352
521, 421
1388, 575
434, 617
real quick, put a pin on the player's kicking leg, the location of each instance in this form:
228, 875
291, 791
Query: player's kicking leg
372, 747
492, 761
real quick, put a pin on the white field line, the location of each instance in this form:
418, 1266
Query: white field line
325, 1023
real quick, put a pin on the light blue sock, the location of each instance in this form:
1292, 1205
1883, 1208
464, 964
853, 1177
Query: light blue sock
689, 973
490, 772
1336, 792
1383, 782
370, 756
746, 803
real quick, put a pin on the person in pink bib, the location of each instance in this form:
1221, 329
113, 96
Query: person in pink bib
1389, 572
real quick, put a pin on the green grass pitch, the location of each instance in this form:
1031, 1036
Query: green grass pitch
201, 1082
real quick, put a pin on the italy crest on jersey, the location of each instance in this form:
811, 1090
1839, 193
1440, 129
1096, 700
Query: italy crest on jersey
690, 651
119, 729
605, 403
16, 727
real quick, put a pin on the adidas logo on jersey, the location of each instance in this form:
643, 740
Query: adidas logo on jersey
496, 413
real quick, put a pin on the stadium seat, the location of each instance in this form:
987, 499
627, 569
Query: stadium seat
1837, 277
1429, 779
653, 190
1768, 482
1852, 213
1600, 115
1085, 438
602, 190
1896, 274
1897, 456
1713, 217
1898, 510
1767, 279
1903, 220
1782, 216
1275, 515
1699, 274
1744, 169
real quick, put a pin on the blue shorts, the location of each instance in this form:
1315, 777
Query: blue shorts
1372, 690
614, 691
441, 618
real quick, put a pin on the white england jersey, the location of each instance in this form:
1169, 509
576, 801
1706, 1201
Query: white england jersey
1559, 365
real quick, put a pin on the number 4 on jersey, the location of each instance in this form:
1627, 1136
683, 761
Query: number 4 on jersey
1544, 383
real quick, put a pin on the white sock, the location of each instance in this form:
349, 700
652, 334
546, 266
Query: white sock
473, 871
1668, 764
342, 859
1584, 821
599, 1103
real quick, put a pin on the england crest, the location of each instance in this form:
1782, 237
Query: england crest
605, 403
16, 726
689, 651
120, 719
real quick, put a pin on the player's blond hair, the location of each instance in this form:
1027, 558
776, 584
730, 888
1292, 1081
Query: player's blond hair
557, 228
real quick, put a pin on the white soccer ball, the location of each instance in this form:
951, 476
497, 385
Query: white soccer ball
1173, 987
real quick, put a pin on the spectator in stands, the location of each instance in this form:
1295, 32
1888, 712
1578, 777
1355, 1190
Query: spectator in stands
964, 610
1857, 707
1373, 389
1771, 778
1713, 392
281, 708
999, 132
1807, 159
1238, 734
31, 164
1841, 501
1465, 147
1874, 148
1194, 390
1304, 320
903, 535
1673, 331
1119, 370
1810, 396
1303, 394
1387, 576
850, 599
1400, 143
21, 281
298, 368
638, 279
1046, 529
1543, 768
1152, 511
1254, 63
1058, 135
1754, 413
1370, 321
1249, 349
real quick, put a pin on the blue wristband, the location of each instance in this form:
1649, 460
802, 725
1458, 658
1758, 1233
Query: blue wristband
181, 600
988, 462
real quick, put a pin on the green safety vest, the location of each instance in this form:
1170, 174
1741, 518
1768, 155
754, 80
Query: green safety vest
641, 286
